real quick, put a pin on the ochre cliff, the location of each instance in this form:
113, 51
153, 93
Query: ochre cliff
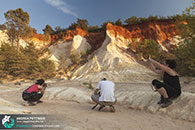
69, 35
160, 31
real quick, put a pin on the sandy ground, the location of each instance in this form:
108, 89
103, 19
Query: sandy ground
80, 116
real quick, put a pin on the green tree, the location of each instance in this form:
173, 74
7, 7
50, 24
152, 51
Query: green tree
58, 29
47, 68
17, 23
93, 28
82, 23
185, 53
148, 47
132, 20
152, 18
63, 65
73, 26
2, 27
142, 19
118, 22
32, 59
74, 57
25, 64
37, 67
48, 29
176, 17
12, 63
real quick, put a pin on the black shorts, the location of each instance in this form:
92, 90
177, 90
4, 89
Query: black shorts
172, 92
34, 96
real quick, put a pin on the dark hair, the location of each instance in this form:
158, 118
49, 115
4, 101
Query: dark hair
104, 79
44, 85
171, 63
40, 82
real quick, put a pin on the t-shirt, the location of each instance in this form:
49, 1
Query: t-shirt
33, 88
106, 90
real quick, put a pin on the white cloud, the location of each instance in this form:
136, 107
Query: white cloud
63, 6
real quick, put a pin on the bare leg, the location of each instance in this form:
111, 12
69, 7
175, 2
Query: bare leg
165, 102
162, 92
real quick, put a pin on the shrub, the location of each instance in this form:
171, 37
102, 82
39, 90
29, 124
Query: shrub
25, 64
148, 47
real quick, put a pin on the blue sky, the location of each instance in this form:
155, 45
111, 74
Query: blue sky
64, 12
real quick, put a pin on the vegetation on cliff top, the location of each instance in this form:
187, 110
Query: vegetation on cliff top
25, 62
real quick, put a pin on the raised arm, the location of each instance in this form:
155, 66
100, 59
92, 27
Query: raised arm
155, 70
163, 67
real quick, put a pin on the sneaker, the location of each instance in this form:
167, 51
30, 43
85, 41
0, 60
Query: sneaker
112, 109
102, 106
39, 101
166, 103
31, 104
161, 100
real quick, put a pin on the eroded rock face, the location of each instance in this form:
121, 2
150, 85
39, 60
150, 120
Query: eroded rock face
182, 107
165, 33
3, 37
68, 94
79, 45
112, 62
69, 35
111, 58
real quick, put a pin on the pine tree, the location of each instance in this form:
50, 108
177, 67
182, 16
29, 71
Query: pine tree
17, 23
47, 68
12, 63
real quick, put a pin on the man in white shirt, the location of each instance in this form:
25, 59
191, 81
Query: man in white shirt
106, 96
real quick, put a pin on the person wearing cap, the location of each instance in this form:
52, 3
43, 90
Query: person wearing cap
34, 93
104, 94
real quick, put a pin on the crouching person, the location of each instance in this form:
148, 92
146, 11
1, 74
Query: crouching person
104, 94
34, 93
170, 87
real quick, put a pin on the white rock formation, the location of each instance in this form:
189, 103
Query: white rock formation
112, 62
68, 94
3, 37
61, 48
80, 44
182, 107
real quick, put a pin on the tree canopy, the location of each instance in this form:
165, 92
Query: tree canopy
17, 23
186, 51
48, 29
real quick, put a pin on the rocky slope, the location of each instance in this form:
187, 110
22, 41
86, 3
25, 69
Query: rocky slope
112, 48
134, 96
112, 62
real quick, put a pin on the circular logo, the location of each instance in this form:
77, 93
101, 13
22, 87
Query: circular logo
7, 122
